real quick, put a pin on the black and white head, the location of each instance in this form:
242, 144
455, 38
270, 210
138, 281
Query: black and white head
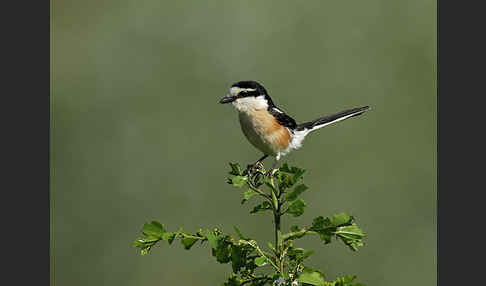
245, 95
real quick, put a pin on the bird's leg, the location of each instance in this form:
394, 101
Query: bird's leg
275, 163
253, 167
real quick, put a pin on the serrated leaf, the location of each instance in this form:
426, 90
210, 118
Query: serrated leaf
212, 239
296, 208
238, 258
138, 243
235, 169
238, 181
168, 236
326, 237
232, 281
272, 248
260, 261
348, 278
188, 242
240, 235
285, 168
153, 229
223, 251
345, 281
320, 224
158, 225
351, 236
247, 195
341, 219
313, 278
351, 231
261, 207
298, 174
292, 196
342, 227
144, 242
307, 254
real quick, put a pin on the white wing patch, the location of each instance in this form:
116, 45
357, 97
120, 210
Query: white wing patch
278, 110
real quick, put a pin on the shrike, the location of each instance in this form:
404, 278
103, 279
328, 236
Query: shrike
267, 127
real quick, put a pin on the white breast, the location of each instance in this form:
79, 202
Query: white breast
250, 104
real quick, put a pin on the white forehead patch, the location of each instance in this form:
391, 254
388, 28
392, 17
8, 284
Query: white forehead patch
235, 90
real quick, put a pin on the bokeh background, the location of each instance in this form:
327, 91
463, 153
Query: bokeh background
137, 133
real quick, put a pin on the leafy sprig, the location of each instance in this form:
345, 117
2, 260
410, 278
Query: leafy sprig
281, 263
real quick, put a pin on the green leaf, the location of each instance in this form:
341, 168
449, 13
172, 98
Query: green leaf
168, 236
188, 242
313, 278
220, 246
320, 223
292, 196
232, 281
261, 207
326, 237
272, 248
223, 250
298, 174
307, 254
238, 257
238, 232
340, 225
154, 229
212, 239
292, 170
341, 219
145, 243
296, 208
285, 168
238, 181
260, 261
351, 236
284, 181
247, 195
345, 281
235, 169
348, 278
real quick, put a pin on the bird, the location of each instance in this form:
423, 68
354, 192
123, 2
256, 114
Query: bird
269, 128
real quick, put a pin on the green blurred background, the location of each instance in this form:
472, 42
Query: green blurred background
137, 133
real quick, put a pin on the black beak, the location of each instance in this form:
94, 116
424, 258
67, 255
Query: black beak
227, 99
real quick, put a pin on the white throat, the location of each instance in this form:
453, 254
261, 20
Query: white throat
251, 103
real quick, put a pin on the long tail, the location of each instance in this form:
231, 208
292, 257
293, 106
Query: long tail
324, 121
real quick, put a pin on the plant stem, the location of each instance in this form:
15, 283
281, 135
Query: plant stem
277, 231
278, 235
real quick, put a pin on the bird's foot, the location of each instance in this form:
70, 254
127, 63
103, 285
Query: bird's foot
269, 173
254, 167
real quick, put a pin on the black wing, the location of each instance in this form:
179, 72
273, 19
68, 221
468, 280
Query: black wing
282, 118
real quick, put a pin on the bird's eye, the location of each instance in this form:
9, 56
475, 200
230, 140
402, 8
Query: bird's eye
242, 94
